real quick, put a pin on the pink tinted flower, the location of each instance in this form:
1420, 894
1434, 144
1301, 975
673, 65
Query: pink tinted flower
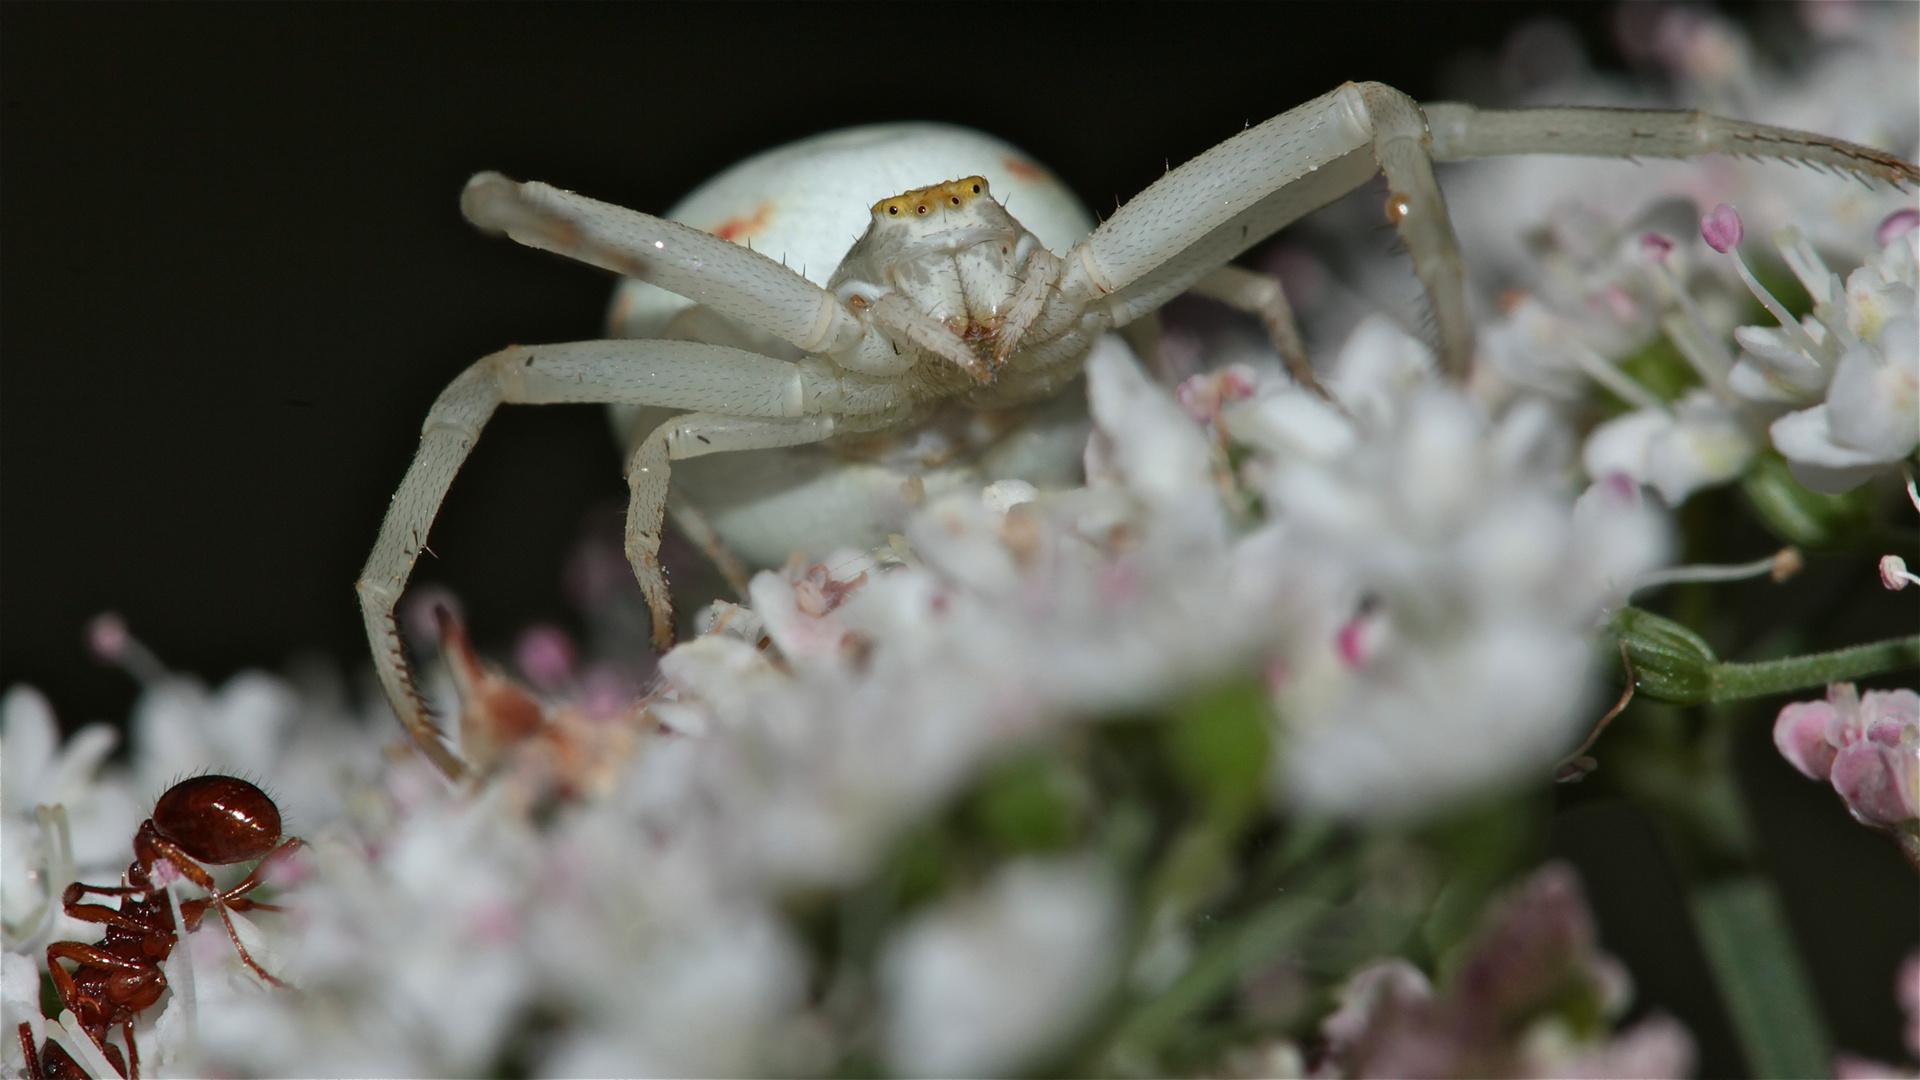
1898, 223
107, 637
1203, 395
1722, 229
1880, 784
1866, 745
1360, 638
1655, 247
545, 655
1801, 735
1894, 573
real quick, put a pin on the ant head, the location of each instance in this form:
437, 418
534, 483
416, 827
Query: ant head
218, 819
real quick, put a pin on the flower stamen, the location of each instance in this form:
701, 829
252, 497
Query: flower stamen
1779, 566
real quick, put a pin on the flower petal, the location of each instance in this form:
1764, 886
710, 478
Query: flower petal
1800, 733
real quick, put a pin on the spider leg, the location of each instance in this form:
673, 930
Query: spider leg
648, 472
1190, 222
1261, 296
1194, 219
728, 384
694, 525
1461, 131
732, 280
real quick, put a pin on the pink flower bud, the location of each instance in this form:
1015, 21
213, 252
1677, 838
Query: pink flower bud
1655, 247
420, 616
1722, 229
544, 654
1203, 395
1880, 784
1199, 397
1361, 638
1801, 736
1894, 575
107, 637
1898, 224
1622, 490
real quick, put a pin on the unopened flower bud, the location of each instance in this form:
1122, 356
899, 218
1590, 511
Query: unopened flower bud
1655, 247
1722, 229
545, 655
107, 637
1668, 661
1894, 573
1898, 223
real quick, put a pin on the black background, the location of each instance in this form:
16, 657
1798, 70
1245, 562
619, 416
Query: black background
235, 276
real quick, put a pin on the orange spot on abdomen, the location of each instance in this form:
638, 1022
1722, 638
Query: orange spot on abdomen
1025, 170
738, 228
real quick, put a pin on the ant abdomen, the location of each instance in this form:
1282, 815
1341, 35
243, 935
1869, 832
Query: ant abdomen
218, 819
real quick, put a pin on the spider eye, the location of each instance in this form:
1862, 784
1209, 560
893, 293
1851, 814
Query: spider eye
921, 209
976, 189
893, 211
956, 200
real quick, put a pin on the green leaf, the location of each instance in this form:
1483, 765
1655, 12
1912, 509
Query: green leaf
1224, 957
1660, 368
1762, 981
1029, 804
1218, 742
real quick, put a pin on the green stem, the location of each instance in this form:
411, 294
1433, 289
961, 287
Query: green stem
1229, 954
1732, 682
1762, 981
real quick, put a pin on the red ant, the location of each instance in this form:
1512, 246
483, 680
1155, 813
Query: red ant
208, 820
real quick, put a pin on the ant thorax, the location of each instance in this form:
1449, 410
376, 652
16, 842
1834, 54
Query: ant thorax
951, 250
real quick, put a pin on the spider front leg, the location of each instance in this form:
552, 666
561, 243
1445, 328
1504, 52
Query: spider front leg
1461, 131
1190, 222
1202, 214
648, 472
711, 379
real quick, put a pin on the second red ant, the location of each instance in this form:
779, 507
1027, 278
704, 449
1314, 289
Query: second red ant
205, 821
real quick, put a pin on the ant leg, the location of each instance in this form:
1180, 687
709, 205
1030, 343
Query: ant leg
151, 849
133, 1051
253, 880
234, 898
135, 984
102, 914
245, 956
34, 1069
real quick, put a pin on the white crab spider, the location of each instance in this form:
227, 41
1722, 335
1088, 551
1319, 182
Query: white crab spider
946, 305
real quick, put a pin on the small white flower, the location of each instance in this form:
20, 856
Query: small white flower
1446, 592
983, 984
1700, 442
1855, 362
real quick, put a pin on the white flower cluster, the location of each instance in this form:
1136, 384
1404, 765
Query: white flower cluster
1853, 365
1598, 261
1411, 575
67, 819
